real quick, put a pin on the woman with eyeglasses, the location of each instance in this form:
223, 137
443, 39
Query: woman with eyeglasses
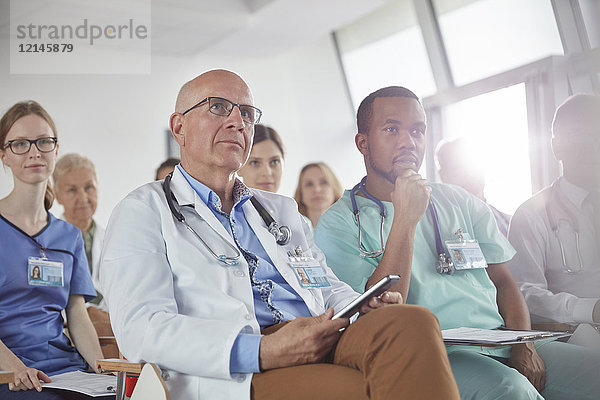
35, 243
264, 167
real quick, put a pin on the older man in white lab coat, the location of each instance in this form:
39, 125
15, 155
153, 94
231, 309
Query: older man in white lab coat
198, 314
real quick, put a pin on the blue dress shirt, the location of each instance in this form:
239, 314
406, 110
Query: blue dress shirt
244, 354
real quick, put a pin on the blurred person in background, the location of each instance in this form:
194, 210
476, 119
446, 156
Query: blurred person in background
318, 188
265, 165
166, 168
456, 167
76, 185
557, 232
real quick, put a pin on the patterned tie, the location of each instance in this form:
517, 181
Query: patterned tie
265, 287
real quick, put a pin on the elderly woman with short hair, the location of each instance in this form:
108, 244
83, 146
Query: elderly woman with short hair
76, 186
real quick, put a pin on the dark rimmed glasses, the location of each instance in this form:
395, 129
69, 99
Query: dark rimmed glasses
22, 146
223, 107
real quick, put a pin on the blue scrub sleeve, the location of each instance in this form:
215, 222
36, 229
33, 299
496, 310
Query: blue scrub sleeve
244, 354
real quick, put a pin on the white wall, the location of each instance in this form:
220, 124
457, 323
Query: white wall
315, 119
118, 121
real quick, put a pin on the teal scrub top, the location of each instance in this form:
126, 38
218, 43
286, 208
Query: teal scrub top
466, 298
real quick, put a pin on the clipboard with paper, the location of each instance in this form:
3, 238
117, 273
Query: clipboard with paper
495, 337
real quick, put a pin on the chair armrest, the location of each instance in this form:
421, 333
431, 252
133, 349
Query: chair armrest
109, 347
105, 340
116, 365
553, 326
6, 377
122, 367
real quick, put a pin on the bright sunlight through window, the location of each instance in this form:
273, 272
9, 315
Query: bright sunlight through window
495, 125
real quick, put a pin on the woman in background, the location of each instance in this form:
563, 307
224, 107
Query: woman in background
76, 186
265, 164
32, 343
318, 188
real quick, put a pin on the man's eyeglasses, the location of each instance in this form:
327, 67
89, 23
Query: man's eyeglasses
22, 146
224, 107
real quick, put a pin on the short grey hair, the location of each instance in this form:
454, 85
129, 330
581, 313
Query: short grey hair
71, 162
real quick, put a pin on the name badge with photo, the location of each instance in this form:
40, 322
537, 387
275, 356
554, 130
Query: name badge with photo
310, 274
466, 254
43, 272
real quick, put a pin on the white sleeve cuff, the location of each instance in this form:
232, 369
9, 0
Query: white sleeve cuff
584, 308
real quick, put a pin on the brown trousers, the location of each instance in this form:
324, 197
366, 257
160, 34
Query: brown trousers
395, 352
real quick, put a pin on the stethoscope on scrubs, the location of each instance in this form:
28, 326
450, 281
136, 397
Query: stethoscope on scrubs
282, 234
554, 196
382, 213
444, 264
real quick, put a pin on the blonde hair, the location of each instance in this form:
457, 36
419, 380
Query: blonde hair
338, 189
18, 111
71, 162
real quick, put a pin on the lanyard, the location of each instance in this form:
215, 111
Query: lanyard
42, 248
439, 247
444, 264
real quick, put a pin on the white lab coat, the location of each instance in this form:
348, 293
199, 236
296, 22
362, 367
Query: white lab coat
551, 293
96, 252
172, 303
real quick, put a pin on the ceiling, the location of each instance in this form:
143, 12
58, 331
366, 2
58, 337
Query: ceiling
187, 28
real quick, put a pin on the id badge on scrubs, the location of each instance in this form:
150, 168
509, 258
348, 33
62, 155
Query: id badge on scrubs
466, 254
309, 272
43, 272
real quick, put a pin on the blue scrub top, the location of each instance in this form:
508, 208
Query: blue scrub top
31, 324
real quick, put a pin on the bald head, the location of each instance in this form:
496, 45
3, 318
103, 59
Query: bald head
576, 140
197, 89
214, 144
450, 152
458, 166
578, 114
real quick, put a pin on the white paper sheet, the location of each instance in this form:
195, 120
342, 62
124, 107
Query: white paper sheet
91, 384
495, 336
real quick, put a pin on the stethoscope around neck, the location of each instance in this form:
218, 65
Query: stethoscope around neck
360, 186
572, 220
444, 264
282, 234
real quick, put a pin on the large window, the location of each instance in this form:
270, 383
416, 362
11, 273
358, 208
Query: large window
385, 48
489, 53
591, 16
485, 37
495, 125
